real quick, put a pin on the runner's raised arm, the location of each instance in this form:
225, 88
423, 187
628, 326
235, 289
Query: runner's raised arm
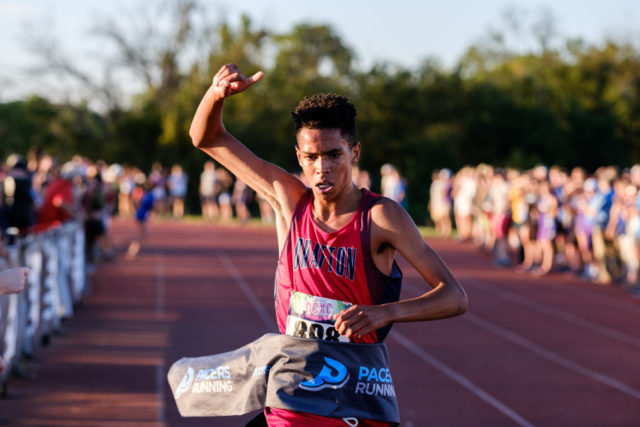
281, 189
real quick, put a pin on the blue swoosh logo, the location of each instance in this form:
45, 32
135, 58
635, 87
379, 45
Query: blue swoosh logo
185, 383
333, 374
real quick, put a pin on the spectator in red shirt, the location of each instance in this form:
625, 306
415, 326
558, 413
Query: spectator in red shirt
58, 204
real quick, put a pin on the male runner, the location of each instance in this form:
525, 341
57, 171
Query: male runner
337, 242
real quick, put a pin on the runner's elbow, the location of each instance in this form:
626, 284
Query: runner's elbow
458, 302
204, 138
463, 304
197, 137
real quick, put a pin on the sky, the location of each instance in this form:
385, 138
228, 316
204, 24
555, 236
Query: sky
401, 32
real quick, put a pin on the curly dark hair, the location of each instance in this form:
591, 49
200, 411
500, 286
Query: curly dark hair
327, 111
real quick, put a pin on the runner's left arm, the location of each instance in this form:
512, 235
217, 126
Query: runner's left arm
394, 230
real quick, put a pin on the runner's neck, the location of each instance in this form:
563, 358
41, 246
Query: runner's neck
332, 215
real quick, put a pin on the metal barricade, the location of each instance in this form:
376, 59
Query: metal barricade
55, 283
63, 238
78, 275
8, 329
33, 290
50, 295
12, 319
10, 334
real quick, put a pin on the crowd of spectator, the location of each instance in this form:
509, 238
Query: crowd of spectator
538, 220
393, 185
221, 195
546, 219
39, 192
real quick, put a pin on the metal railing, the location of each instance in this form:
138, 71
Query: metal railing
55, 284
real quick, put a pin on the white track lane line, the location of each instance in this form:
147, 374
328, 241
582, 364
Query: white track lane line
460, 379
549, 355
160, 285
547, 310
602, 299
558, 314
589, 293
267, 318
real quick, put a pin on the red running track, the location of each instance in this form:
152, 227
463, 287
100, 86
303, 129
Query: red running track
551, 351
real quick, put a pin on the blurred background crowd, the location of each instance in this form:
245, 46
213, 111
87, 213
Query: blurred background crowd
545, 219
39, 192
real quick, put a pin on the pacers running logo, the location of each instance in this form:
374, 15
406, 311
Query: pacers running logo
333, 374
185, 383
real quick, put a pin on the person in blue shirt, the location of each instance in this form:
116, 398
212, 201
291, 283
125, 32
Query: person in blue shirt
145, 206
599, 207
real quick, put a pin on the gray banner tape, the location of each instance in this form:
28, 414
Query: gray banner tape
326, 378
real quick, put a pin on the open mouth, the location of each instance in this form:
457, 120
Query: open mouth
324, 187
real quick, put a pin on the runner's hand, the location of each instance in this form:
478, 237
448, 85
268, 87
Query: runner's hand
230, 80
358, 320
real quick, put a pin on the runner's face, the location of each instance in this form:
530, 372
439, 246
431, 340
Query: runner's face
326, 160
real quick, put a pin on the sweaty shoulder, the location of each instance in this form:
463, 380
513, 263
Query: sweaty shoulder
392, 229
388, 217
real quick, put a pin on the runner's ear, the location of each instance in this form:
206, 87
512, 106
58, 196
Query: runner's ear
355, 152
298, 155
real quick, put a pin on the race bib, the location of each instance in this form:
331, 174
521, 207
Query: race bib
314, 317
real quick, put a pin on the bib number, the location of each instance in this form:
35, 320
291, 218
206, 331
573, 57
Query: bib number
313, 317
301, 328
